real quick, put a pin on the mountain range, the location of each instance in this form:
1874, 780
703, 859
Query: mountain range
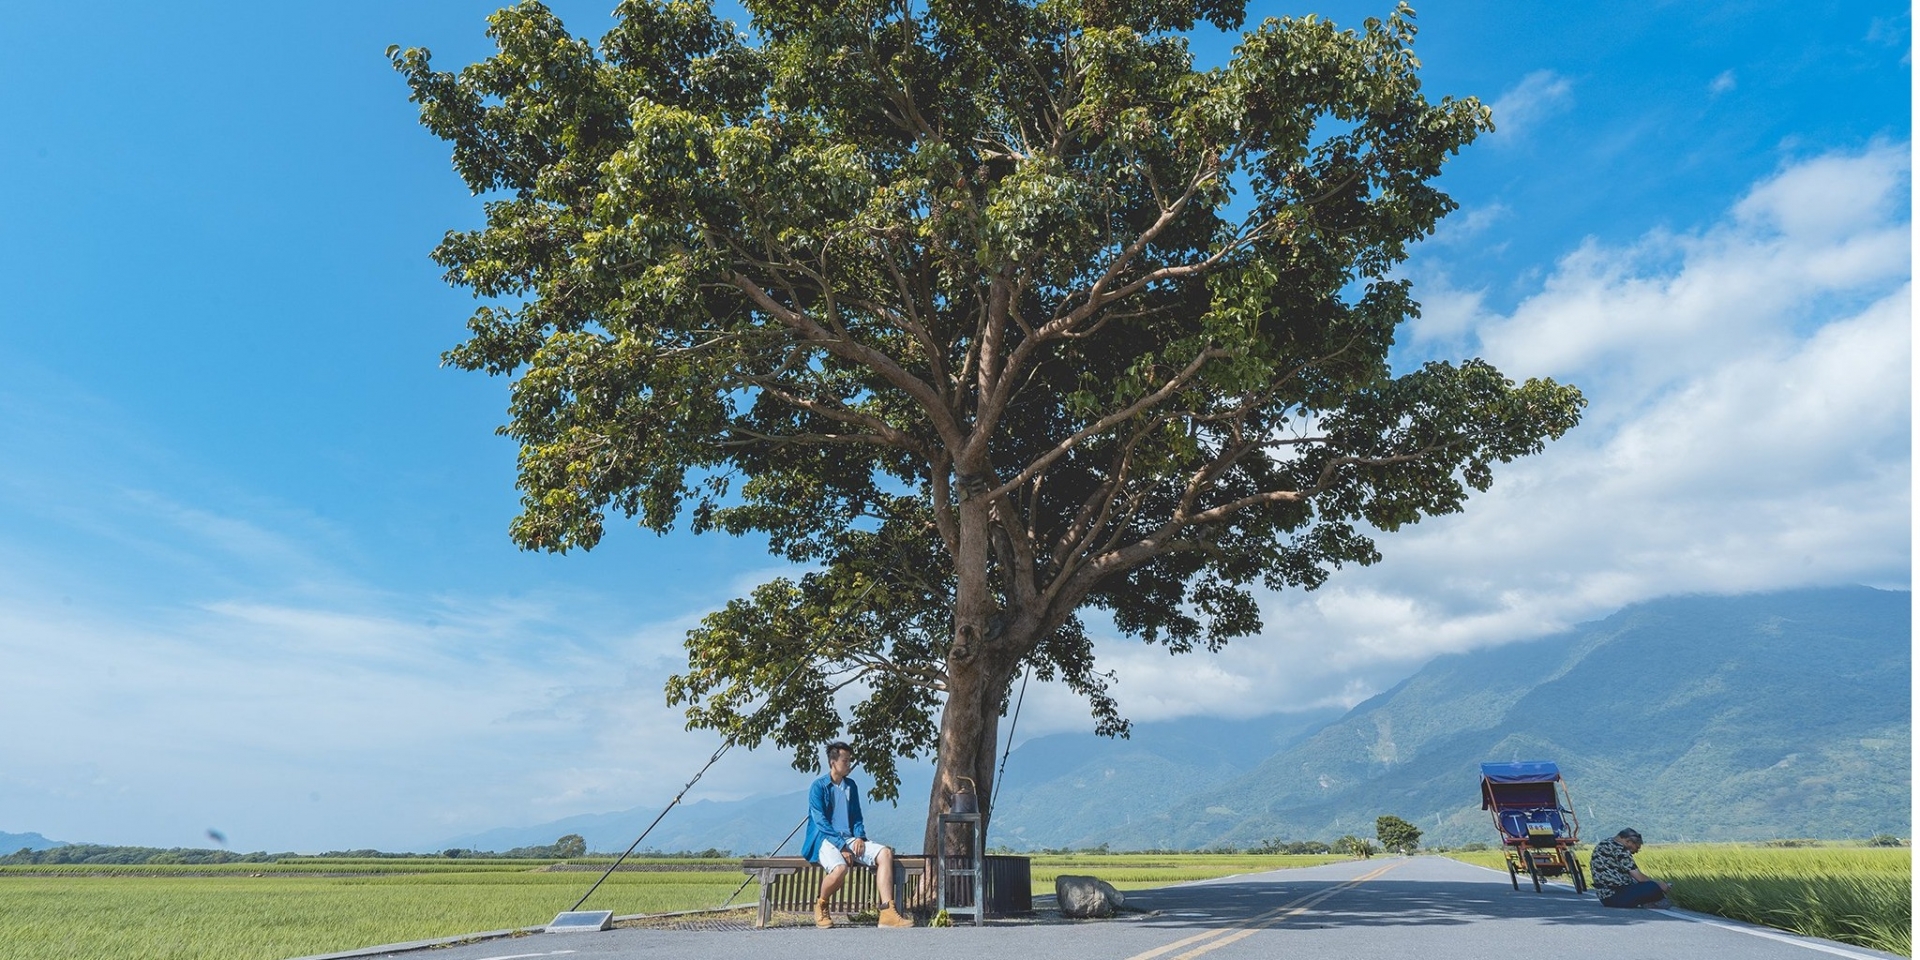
11, 842
1697, 718
1747, 717
1159, 764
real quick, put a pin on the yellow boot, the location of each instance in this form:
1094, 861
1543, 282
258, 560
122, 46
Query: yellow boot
889, 917
820, 918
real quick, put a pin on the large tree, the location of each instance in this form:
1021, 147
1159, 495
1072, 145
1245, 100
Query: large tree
986, 313
1396, 834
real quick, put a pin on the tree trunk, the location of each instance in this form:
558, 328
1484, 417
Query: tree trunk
969, 740
989, 645
976, 676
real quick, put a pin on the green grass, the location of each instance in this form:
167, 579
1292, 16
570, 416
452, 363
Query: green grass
1857, 895
1132, 871
306, 906
355, 866
315, 905
152, 917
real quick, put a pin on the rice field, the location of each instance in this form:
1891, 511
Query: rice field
254, 911
297, 909
1135, 871
1857, 895
311, 905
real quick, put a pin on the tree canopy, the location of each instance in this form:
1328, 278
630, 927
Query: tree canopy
1396, 834
984, 313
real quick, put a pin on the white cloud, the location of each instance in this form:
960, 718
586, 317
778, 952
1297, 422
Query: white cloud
202, 656
1448, 315
313, 728
1749, 429
1464, 226
1889, 31
1819, 200
1538, 96
1634, 320
1723, 83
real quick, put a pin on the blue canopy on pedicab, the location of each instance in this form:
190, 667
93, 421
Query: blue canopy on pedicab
1521, 771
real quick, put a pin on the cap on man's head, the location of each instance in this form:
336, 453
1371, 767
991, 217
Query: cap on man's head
1629, 834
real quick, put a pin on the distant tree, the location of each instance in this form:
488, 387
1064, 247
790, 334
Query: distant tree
540, 851
1396, 834
79, 853
1280, 845
570, 846
1354, 846
988, 313
1886, 840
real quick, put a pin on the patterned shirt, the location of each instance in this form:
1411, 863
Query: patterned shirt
1613, 867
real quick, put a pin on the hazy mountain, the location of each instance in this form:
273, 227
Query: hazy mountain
1081, 790
1711, 718
1745, 717
753, 825
1060, 790
12, 842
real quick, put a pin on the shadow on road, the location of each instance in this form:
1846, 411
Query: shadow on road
1383, 903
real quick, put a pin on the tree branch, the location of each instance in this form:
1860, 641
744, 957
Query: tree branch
882, 430
1061, 449
849, 349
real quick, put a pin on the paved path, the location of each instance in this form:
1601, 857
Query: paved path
1425, 908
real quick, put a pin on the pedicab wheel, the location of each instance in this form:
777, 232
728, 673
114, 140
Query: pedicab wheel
1579, 879
1533, 871
1513, 874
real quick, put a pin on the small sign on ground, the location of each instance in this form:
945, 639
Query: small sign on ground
575, 921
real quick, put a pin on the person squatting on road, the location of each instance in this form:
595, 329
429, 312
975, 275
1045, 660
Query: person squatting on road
837, 836
1617, 879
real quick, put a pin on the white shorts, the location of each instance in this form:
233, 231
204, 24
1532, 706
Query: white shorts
832, 859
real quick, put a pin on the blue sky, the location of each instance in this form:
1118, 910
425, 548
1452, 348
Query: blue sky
254, 573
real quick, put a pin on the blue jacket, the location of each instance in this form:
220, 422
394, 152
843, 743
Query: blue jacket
820, 816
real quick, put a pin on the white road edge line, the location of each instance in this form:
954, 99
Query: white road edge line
1739, 926
1479, 867
1256, 873
520, 956
1757, 931
1195, 883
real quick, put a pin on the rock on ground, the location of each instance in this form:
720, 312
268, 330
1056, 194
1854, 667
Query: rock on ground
1086, 896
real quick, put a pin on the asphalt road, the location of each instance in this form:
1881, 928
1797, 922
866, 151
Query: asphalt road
1425, 908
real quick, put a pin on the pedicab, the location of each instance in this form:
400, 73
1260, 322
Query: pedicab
1534, 813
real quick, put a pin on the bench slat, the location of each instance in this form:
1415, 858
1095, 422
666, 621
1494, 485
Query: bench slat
792, 884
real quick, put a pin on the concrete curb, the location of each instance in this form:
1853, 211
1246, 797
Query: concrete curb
412, 945
1833, 947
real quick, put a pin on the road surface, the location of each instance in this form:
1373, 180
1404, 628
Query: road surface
1424, 908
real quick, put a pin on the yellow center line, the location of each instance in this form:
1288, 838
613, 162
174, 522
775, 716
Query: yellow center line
1210, 934
1256, 923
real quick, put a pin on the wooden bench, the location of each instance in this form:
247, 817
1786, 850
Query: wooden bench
793, 884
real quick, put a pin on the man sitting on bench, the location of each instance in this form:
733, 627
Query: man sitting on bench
837, 836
